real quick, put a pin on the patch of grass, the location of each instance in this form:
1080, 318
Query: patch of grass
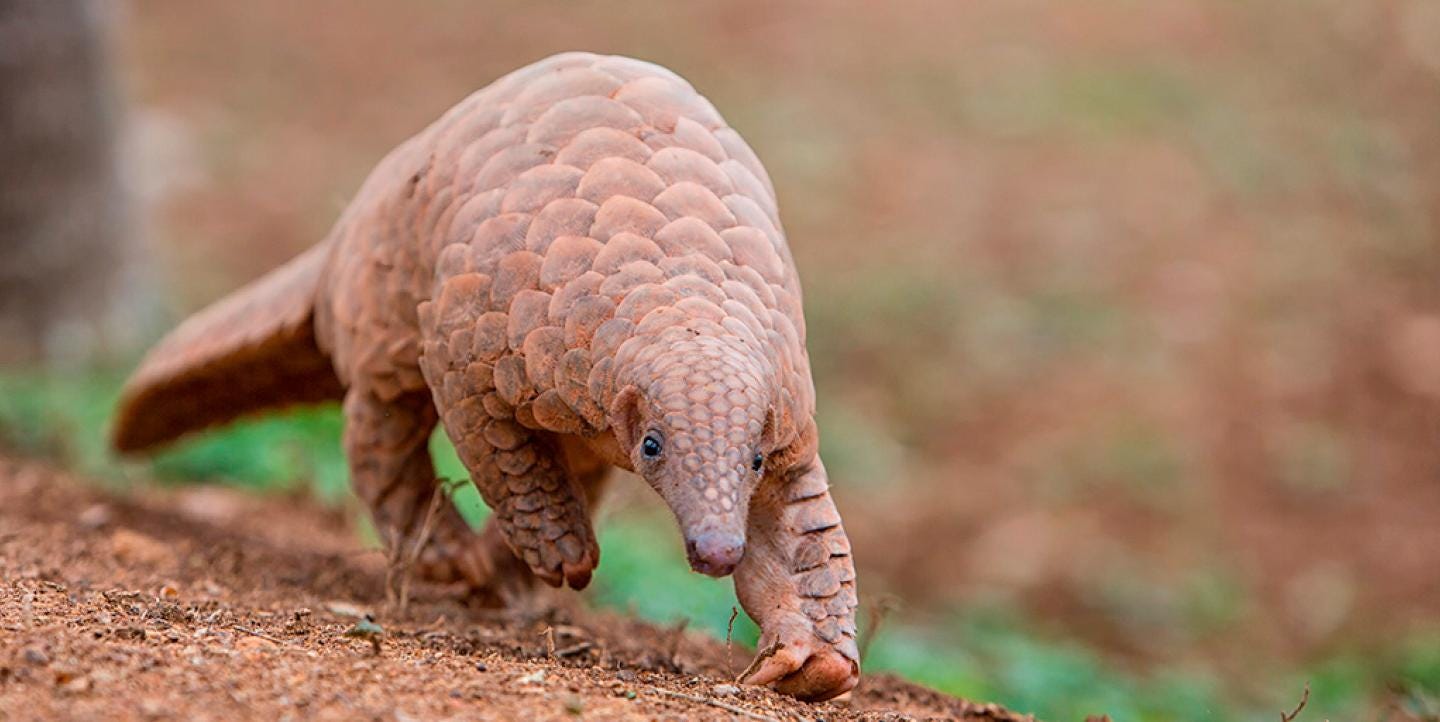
60, 414
66, 416
989, 654
919, 655
294, 447
1419, 662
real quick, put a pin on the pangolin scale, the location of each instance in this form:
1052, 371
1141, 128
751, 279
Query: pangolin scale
578, 267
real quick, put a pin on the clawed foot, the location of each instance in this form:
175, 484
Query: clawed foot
481, 562
502, 563
550, 531
566, 560
797, 662
498, 573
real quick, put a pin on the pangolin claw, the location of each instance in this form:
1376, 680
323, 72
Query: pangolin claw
804, 667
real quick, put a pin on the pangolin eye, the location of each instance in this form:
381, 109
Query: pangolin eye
757, 462
651, 446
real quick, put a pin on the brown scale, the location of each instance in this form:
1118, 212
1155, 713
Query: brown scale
578, 267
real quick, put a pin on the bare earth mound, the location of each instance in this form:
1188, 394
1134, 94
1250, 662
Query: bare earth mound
209, 604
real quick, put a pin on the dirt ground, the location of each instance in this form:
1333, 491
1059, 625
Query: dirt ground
208, 604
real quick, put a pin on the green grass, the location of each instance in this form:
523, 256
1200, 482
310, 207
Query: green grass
976, 652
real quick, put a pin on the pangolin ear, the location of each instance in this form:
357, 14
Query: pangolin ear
779, 422
798, 449
624, 417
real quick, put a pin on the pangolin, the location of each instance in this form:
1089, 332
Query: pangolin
578, 267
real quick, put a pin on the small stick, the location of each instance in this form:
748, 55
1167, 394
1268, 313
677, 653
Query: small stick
730, 629
393, 546
423, 538
759, 660
398, 562
879, 610
549, 635
1304, 698
716, 703
254, 633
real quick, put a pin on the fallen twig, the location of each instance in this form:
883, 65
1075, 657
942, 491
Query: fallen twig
261, 635
730, 629
716, 703
759, 660
1304, 698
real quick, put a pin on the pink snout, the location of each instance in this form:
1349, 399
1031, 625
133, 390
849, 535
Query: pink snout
715, 553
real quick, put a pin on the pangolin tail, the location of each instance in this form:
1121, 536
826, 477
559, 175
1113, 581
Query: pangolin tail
252, 350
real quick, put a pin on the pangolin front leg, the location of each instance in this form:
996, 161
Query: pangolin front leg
797, 581
539, 503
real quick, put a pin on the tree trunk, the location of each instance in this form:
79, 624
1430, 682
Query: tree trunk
64, 221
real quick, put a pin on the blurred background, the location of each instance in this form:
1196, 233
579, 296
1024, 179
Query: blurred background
1124, 315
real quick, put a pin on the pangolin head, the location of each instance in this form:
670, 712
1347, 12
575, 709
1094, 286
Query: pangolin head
696, 424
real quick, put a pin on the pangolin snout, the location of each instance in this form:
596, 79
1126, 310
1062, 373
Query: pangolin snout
715, 553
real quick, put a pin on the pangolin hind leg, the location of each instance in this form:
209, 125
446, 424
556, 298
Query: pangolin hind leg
797, 581
387, 444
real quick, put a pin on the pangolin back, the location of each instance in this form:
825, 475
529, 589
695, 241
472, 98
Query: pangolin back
575, 213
